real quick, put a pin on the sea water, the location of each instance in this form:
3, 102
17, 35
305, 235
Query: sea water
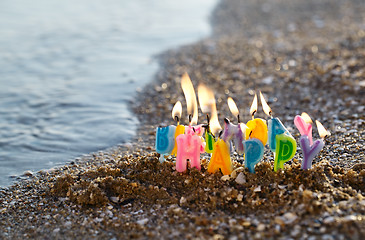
69, 68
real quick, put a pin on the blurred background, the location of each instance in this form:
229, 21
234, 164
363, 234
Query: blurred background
68, 70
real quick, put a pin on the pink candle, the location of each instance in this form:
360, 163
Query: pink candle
189, 146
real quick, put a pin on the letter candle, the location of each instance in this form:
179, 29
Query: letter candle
310, 151
180, 129
207, 105
237, 133
257, 138
165, 136
190, 144
304, 125
221, 158
281, 142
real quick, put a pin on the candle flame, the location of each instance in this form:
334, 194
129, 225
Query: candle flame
321, 130
233, 107
253, 108
215, 127
190, 98
207, 105
265, 106
206, 98
306, 118
176, 111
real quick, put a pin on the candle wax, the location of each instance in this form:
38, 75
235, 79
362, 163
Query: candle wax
221, 158
309, 151
180, 129
209, 140
254, 151
286, 147
235, 133
275, 127
189, 146
165, 140
304, 128
257, 128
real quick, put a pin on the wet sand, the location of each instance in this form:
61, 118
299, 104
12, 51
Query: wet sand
303, 57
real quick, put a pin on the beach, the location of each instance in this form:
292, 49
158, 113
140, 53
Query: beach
304, 57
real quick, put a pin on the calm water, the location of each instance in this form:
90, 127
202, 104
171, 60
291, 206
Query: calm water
69, 68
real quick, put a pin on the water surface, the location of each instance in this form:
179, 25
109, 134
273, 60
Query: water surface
69, 68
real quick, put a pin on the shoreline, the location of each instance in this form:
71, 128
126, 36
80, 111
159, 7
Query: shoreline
126, 193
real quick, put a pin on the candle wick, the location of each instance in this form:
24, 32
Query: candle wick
177, 120
238, 119
208, 119
250, 134
190, 119
270, 114
194, 129
253, 114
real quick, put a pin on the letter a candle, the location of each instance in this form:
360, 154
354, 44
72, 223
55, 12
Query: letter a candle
257, 138
281, 142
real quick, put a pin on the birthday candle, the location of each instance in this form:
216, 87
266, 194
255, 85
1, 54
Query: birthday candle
234, 132
207, 105
254, 151
165, 136
221, 158
189, 146
304, 125
165, 140
180, 129
280, 140
310, 151
257, 138
256, 128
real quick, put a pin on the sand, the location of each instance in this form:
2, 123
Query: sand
304, 56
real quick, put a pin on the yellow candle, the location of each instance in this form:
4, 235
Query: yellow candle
180, 129
221, 158
257, 128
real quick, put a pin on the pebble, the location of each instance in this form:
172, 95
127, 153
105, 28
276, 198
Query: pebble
241, 178
142, 221
225, 178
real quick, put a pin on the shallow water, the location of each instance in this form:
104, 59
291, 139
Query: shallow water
69, 68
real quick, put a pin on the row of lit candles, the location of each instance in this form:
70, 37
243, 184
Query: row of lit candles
187, 142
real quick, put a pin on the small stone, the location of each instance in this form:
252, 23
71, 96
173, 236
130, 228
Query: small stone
241, 178
350, 218
182, 200
261, 227
290, 217
114, 199
235, 171
56, 230
142, 221
329, 220
225, 177
28, 173
279, 220
239, 197
257, 189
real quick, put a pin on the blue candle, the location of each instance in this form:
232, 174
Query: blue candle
275, 127
165, 140
254, 151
